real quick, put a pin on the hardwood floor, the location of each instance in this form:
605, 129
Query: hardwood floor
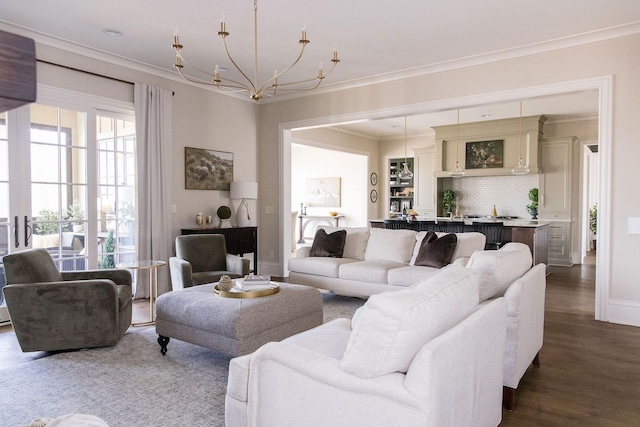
589, 374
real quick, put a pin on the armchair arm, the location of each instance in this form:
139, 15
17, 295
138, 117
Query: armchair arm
237, 264
180, 273
118, 276
64, 315
303, 252
282, 375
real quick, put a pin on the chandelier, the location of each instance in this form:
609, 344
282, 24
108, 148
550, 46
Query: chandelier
253, 88
405, 173
520, 168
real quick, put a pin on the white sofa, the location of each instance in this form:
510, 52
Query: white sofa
374, 260
424, 355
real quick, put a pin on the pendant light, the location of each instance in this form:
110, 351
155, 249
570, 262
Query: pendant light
405, 173
520, 168
458, 172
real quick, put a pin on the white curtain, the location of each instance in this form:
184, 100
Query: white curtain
154, 146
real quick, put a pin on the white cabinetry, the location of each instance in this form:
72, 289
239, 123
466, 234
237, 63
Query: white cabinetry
425, 182
555, 196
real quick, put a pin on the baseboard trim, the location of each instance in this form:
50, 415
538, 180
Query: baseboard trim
624, 312
270, 268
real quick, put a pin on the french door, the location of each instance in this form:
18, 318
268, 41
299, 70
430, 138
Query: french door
67, 184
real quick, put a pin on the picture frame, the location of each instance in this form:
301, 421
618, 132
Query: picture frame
373, 196
207, 169
323, 192
484, 154
374, 179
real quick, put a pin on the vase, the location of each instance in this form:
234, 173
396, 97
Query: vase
534, 213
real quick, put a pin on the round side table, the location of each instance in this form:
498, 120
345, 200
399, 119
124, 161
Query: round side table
153, 267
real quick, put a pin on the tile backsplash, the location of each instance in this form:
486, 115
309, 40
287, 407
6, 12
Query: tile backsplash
477, 195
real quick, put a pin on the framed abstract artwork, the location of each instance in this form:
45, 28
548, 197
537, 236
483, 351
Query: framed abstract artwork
207, 169
484, 154
323, 192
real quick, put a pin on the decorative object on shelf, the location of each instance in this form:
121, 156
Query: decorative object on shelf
254, 89
243, 190
225, 283
199, 220
533, 206
323, 192
458, 172
405, 173
521, 168
333, 213
494, 212
207, 169
208, 220
484, 154
374, 179
224, 213
373, 196
448, 201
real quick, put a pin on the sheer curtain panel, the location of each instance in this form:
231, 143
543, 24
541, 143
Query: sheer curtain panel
153, 130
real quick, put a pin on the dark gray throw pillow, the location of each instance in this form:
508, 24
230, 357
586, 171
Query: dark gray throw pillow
328, 245
436, 252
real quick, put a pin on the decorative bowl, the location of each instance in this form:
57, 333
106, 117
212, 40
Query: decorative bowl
333, 213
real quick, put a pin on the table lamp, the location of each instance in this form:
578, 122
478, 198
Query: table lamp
243, 190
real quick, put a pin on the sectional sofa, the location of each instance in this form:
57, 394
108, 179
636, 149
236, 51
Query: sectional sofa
374, 260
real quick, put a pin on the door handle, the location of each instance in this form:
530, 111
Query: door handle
15, 231
27, 231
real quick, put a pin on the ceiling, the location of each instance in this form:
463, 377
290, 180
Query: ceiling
375, 41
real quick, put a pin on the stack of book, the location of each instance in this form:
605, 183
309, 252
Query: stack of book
252, 281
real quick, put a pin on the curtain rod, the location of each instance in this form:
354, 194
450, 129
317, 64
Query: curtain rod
89, 72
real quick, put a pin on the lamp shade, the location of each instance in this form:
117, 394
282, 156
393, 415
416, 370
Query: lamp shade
244, 190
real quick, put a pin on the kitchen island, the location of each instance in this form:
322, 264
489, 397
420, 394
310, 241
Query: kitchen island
530, 232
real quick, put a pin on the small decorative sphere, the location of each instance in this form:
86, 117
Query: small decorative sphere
225, 283
224, 212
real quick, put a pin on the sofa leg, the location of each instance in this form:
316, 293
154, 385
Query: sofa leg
536, 360
509, 398
163, 341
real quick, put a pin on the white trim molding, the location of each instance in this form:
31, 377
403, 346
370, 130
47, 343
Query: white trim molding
624, 312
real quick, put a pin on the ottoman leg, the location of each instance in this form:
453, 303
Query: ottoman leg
163, 341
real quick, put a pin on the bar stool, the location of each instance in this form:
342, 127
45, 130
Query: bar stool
396, 224
452, 226
424, 225
493, 232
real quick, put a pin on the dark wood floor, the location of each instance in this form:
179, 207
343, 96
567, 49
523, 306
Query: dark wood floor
590, 372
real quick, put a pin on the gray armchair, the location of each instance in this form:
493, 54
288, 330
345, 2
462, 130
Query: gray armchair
52, 310
203, 258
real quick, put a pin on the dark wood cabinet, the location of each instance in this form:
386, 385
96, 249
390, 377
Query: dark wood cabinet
239, 240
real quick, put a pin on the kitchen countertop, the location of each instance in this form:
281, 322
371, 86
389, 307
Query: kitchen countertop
531, 223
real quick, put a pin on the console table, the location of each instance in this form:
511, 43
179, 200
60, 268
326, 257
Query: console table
238, 240
306, 219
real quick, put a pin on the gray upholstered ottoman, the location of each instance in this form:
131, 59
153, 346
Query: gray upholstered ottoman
235, 326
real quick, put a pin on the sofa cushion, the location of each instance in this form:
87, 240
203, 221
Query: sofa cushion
409, 275
436, 251
318, 266
328, 245
392, 327
390, 245
497, 270
355, 243
368, 271
467, 244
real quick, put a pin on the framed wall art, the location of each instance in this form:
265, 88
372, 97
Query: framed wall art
484, 154
207, 169
323, 192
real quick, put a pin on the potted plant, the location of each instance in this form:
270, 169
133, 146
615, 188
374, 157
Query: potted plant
224, 213
533, 206
593, 223
448, 201
75, 214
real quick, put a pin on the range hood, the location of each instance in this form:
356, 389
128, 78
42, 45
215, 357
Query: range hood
17, 71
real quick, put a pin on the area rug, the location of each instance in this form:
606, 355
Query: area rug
130, 384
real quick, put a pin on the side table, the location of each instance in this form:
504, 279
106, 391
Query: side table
153, 267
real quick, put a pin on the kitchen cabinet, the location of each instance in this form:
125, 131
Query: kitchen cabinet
559, 243
425, 182
534, 237
400, 190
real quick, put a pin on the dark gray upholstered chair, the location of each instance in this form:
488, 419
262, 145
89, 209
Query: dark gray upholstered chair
203, 258
52, 310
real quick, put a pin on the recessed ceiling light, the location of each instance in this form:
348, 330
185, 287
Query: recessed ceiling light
485, 116
112, 32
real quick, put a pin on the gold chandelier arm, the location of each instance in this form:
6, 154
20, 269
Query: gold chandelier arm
277, 75
251, 84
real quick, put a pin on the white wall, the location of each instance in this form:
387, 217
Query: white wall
466, 86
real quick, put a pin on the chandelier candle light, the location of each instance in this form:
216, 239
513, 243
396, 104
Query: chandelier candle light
253, 88
243, 190
458, 172
521, 168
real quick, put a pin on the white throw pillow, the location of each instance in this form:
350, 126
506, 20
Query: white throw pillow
499, 269
393, 326
356, 242
390, 245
